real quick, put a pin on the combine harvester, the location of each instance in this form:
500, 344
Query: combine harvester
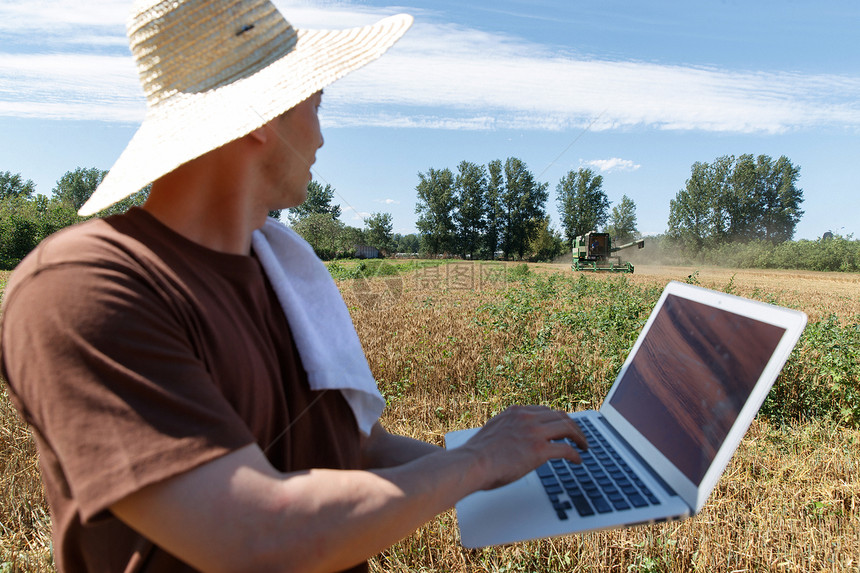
593, 252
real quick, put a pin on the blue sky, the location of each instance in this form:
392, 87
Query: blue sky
637, 91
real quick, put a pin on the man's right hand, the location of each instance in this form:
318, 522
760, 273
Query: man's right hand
520, 439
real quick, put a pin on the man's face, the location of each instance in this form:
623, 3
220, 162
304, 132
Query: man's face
297, 136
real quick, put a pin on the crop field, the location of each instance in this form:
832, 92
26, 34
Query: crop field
453, 344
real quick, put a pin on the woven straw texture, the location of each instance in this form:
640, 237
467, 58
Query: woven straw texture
213, 71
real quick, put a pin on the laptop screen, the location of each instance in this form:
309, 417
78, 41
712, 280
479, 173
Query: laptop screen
690, 378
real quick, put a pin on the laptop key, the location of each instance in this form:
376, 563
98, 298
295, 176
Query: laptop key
554, 489
601, 505
620, 504
637, 500
573, 490
581, 504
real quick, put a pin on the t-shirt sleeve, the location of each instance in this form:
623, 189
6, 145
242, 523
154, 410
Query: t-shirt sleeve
107, 372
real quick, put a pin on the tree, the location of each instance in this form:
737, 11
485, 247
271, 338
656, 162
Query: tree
53, 215
470, 187
780, 199
495, 221
75, 187
547, 243
435, 210
622, 222
736, 199
318, 201
18, 230
523, 204
690, 211
324, 233
379, 232
410, 243
134, 200
742, 202
350, 237
12, 185
582, 203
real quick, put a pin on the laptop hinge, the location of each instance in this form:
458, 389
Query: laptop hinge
635, 454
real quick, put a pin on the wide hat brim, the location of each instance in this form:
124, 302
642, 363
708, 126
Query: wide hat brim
188, 125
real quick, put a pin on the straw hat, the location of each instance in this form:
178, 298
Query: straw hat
215, 70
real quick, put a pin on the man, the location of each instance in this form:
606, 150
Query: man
179, 390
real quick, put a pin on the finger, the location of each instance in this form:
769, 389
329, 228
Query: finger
579, 437
562, 426
562, 449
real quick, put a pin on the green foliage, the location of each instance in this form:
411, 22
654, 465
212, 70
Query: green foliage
822, 377
18, 230
582, 203
368, 269
523, 203
25, 222
75, 187
622, 222
541, 313
832, 254
471, 188
494, 213
134, 200
328, 236
838, 254
26, 219
319, 200
410, 243
547, 243
13, 185
481, 211
435, 209
518, 272
379, 232
736, 199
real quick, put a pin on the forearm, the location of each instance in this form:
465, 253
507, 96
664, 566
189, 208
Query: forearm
382, 449
237, 514
369, 511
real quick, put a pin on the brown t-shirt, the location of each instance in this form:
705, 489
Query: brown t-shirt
137, 355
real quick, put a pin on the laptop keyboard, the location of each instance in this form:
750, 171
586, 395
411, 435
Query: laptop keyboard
602, 483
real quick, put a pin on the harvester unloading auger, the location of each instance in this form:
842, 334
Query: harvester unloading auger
593, 252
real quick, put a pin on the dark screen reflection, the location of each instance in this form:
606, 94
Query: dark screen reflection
692, 375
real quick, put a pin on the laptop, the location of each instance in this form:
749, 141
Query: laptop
683, 400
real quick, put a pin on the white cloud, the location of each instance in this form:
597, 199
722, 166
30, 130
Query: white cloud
388, 201
355, 214
46, 15
489, 84
613, 164
70, 86
440, 76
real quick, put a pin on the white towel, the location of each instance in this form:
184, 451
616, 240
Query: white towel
320, 322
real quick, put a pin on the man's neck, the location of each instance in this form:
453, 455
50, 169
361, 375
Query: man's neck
209, 201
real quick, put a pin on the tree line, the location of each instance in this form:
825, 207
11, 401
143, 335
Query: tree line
317, 220
736, 199
27, 217
478, 211
499, 210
